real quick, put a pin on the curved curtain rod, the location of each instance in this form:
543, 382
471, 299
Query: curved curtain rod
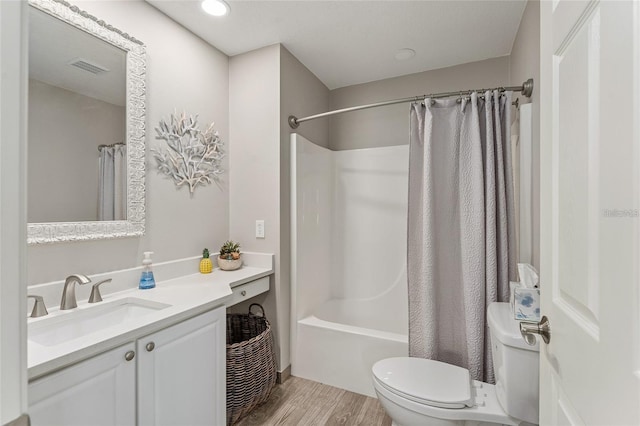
526, 89
110, 145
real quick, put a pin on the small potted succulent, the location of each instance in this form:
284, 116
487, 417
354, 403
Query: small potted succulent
229, 259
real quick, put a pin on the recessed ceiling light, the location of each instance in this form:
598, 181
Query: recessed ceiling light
404, 54
215, 7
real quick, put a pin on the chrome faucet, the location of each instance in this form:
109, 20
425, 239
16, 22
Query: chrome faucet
39, 308
95, 291
69, 291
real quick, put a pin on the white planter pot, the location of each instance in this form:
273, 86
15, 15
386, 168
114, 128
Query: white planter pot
229, 265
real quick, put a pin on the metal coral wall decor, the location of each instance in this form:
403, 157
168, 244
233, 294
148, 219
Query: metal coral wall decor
194, 157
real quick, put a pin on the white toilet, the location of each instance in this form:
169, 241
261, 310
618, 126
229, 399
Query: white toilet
416, 391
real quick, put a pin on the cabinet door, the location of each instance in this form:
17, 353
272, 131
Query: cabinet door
182, 373
98, 391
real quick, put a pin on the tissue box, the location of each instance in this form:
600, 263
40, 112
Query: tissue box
526, 303
512, 292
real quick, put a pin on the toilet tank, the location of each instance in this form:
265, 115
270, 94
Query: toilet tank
515, 364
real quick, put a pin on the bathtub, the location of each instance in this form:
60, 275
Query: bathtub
349, 304
339, 343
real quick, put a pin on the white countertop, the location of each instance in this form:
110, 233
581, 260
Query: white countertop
188, 296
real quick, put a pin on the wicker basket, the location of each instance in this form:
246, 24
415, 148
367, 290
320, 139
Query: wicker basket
251, 363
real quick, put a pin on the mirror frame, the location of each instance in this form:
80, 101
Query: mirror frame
134, 225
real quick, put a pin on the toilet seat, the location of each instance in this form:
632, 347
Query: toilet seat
482, 404
426, 381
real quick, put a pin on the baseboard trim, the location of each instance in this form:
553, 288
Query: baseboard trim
282, 376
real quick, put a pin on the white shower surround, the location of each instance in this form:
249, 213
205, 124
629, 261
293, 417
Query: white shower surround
348, 278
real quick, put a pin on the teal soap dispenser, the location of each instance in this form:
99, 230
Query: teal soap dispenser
146, 279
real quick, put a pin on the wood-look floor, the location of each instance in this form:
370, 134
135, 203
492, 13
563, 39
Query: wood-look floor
303, 402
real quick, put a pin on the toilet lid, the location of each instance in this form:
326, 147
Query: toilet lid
425, 381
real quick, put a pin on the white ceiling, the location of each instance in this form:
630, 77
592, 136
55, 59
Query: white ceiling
354, 41
53, 44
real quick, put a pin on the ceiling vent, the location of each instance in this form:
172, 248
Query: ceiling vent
88, 66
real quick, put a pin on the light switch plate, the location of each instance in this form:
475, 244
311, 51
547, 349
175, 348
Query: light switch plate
259, 228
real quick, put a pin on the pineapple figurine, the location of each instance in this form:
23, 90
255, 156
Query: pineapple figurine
205, 263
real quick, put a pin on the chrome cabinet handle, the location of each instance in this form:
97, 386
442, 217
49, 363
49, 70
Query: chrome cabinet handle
529, 330
243, 293
150, 346
129, 355
95, 291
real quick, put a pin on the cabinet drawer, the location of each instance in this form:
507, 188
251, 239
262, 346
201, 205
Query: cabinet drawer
248, 290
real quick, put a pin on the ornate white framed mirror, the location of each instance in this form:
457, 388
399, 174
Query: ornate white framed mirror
86, 124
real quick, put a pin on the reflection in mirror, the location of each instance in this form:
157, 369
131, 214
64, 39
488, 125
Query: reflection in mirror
86, 123
77, 122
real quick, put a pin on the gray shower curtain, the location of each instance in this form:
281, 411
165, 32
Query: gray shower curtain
461, 229
112, 182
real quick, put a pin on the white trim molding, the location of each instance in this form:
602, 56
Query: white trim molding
13, 216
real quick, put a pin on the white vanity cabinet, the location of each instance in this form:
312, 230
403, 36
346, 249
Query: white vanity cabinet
99, 391
182, 373
179, 373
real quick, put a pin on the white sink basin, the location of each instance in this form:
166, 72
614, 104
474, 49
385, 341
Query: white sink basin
75, 324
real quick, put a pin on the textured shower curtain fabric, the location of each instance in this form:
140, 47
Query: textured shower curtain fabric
461, 236
120, 182
112, 183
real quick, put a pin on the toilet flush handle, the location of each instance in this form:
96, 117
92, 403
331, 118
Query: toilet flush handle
543, 329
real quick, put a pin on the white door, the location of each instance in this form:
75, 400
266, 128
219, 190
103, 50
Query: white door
181, 373
590, 158
98, 391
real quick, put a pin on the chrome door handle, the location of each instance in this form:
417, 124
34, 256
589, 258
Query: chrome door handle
129, 355
543, 329
150, 346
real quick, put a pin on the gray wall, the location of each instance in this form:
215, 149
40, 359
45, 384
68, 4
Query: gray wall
524, 63
254, 162
302, 94
65, 129
389, 125
183, 73
259, 105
